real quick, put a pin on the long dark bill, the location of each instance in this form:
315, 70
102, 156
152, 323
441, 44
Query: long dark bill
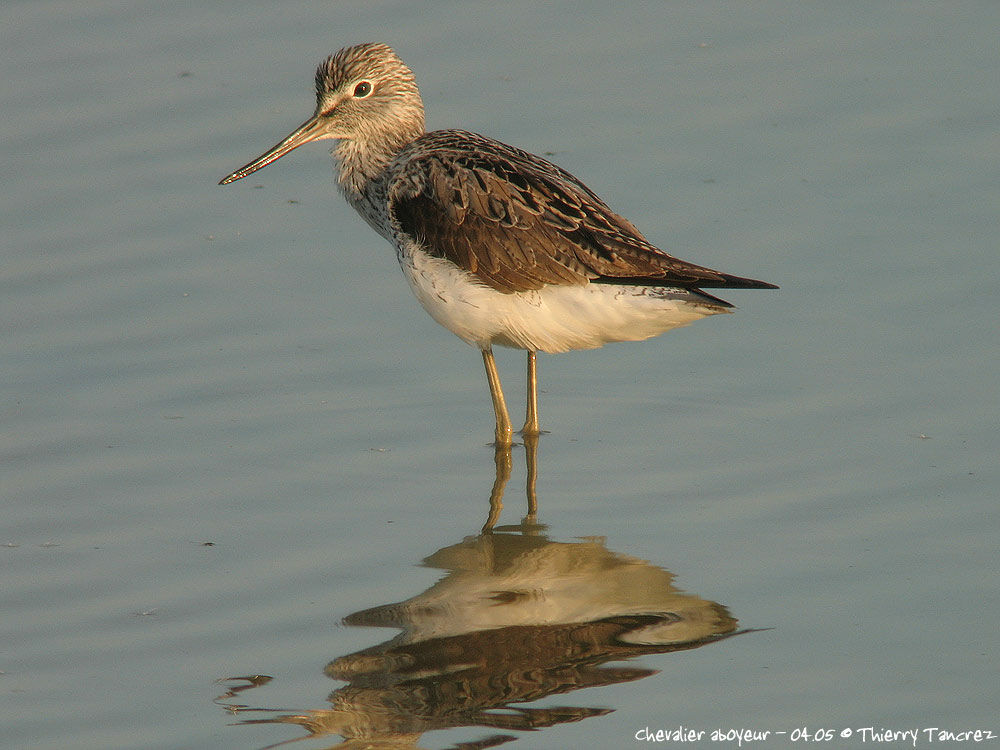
308, 131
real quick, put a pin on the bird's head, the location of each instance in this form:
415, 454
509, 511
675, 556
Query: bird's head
364, 94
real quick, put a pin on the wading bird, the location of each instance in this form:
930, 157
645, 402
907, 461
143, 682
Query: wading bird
500, 246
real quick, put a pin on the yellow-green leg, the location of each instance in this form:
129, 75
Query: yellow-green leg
531, 427
503, 431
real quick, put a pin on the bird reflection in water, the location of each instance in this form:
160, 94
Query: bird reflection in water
515, 618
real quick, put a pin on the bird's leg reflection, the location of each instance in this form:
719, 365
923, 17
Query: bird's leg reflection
504, 462
531, 460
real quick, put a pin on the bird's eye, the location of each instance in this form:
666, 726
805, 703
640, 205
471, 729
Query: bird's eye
362, 90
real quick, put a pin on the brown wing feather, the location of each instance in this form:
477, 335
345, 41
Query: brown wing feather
518, 222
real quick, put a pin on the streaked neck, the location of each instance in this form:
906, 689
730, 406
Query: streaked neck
363, 162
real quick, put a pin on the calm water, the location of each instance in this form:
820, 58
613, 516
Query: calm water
232, 445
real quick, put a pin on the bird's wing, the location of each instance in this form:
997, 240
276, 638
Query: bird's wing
518, 222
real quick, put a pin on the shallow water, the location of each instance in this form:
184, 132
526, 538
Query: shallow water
227, 427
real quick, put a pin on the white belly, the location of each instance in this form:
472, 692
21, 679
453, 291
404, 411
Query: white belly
552, 319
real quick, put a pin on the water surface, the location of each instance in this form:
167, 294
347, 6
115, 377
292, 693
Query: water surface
227, 427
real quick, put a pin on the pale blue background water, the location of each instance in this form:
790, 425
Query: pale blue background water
182, 363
